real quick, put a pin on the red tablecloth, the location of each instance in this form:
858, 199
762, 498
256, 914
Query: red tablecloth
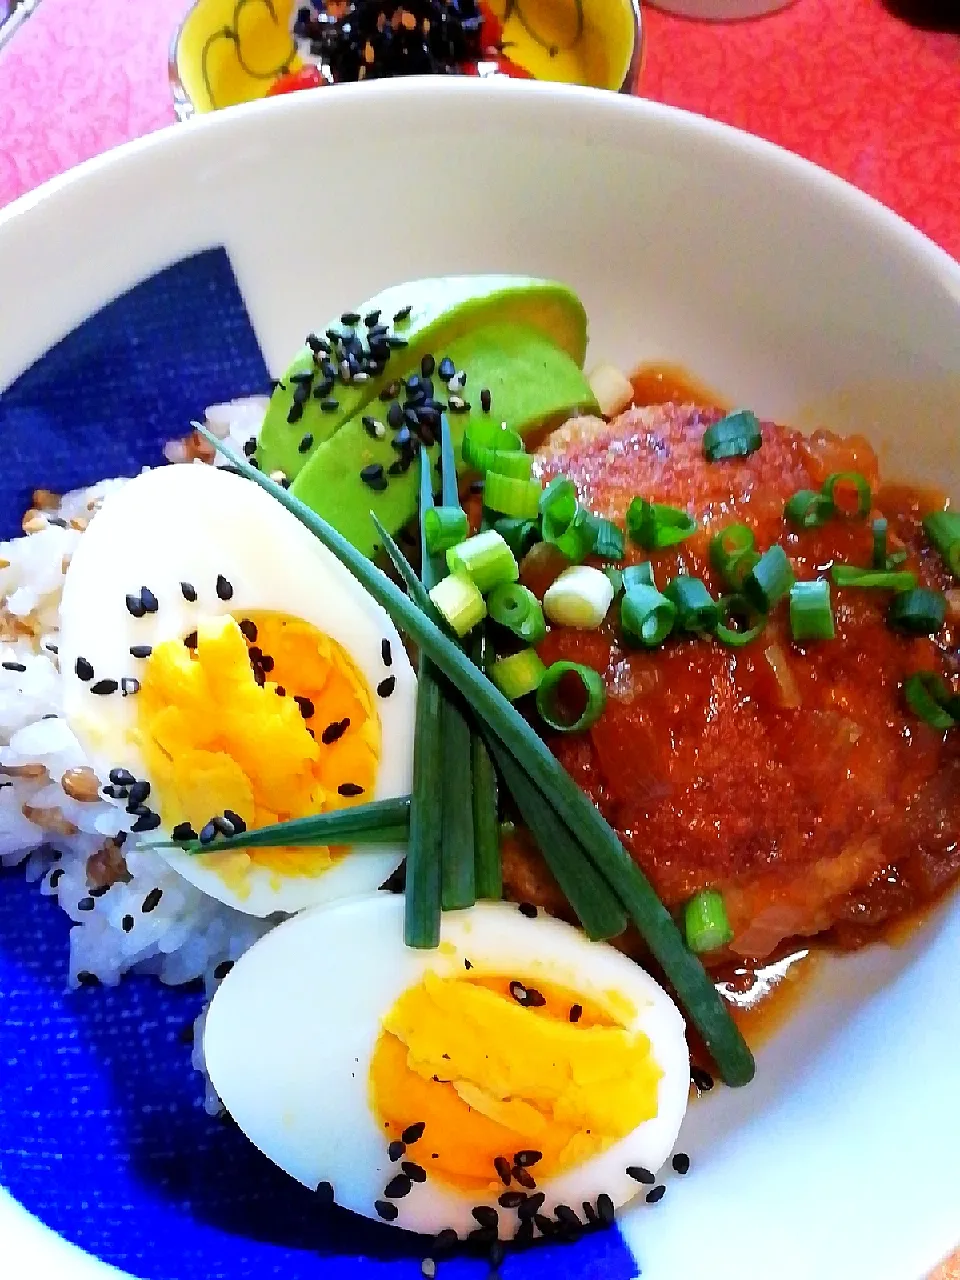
840, 81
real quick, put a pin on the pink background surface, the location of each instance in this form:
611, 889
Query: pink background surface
840, 81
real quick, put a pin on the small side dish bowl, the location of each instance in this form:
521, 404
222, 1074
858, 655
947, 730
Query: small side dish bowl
225, 52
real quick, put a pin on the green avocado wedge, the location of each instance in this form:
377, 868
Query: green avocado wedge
421, 317
530, 381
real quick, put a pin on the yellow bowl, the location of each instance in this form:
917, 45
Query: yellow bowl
230, 51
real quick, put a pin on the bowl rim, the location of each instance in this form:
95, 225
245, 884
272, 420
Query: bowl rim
186, 109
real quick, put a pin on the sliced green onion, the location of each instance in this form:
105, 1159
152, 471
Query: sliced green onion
516, 607
582, 885
735, 436
550, 703
511, 463
519, 535
705, 922
638, 575
483, 441
564, 523
444, 527
511, 497
843, 486
558, 502
697, 611
929, 698
811, 614
614, 577
769, 580
878, 558
486, 559
519, 674
684, 972
459, 600
918, 612
808, 509
732, 553
653, 526
579, 597
608, 542
488, 872
943, 530
851, 575
747, 623
646, 616
379, 822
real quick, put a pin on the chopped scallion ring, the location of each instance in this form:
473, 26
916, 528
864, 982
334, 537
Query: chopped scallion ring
697, 611
808, 509
848, 492
735, 436
733, 554
518, 609
769, 580
878, 558
510, 496
579, 597
608, 542
484, 441
705, 922
851, 575
552, 707
929, 698
519, 674
519, 535
486, 559
459, 600
444, 527
918, 612
638, 575
646, 616
943, 530
747, 624
653, 526
811, 615
564, 523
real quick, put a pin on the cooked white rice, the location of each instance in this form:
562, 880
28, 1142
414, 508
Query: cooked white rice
120, 924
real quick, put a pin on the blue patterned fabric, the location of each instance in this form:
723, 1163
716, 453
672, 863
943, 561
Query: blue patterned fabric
103, 1135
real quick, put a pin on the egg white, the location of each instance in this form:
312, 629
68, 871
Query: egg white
191, 523
291, 1031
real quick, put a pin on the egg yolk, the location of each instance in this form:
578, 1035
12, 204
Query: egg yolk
265, 716
491, 1071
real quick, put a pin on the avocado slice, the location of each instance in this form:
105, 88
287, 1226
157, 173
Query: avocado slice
421, 317
530, 381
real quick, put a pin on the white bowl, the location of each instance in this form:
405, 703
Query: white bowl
782, 288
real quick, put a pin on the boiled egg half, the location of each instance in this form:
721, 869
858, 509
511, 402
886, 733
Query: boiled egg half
518, 1064
219, 663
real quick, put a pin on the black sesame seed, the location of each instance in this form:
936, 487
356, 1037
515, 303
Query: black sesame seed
395, 343
349, 789
639, 1174
148, 821
396, 1150
249, 629
486, 400
188, 591
702, 1080
151, 901
183, 831
386, 687
576, 1012
446, 369
249, 447
529, 997
87, 979
222, 969
400, 467
413, 1132
149, 601
84, 669
390, 392
207, 833
527, 909
525, 1159
13, 666
681, 1163
334, 731
141, 650
546, 1225
294, 413
567, 1217
139, 791
135, 606
104, 686
267, 663
532, 1205
512, 1199
126, 924
224, 588
502, 1167
414, 1171
86, 904
324, 1193
128, 685
386, 1210
398, 1187
656, 1194
306, 706
301, 391
329, 404
605, 1209
55, 877
519, 1174
122, 777
223, 825
402, 314
350, 318
486, 1215
395, 416
373, 477
445, 1240
467, 964
589, 1213
191, 640
238, 824
371, 319
524, 1233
